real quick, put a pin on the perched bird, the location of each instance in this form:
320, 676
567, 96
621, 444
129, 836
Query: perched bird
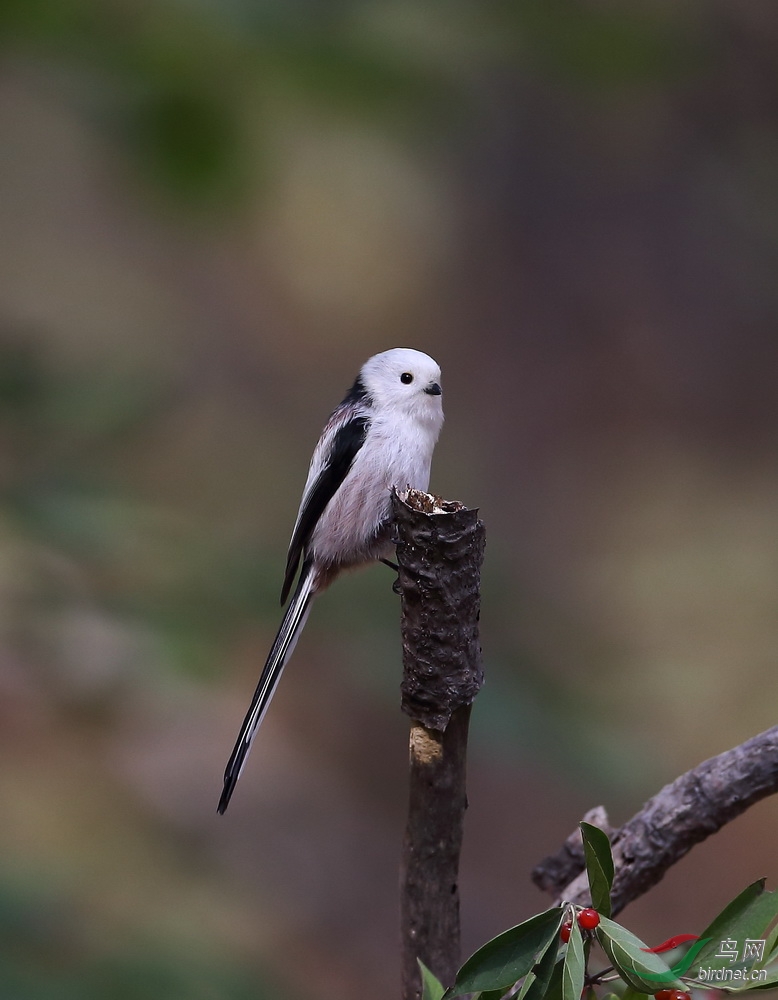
382, 435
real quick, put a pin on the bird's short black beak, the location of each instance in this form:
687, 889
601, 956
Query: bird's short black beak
433, 389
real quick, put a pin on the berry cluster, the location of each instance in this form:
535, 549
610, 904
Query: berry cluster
587, 919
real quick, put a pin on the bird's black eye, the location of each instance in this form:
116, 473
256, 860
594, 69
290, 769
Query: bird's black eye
406, 378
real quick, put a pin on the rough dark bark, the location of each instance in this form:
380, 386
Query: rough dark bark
440, 557
681, 815
439, 552
429, 899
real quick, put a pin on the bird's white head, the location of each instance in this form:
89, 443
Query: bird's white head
405, 380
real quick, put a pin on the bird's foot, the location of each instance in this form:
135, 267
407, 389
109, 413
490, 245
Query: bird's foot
396, 587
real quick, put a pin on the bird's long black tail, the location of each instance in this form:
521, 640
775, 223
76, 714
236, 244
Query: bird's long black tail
283, 645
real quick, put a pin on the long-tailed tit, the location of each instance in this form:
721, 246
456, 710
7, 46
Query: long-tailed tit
382, 435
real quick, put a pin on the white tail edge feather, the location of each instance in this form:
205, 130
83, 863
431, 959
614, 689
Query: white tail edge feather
283, 645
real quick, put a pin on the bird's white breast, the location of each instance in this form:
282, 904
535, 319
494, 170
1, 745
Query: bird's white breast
397, 452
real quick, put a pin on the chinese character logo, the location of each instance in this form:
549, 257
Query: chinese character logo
728, 949
753, 949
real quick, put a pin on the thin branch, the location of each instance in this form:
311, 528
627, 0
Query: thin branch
683, 814
439, 551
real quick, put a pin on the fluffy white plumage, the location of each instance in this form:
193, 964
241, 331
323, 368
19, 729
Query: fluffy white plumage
381, 435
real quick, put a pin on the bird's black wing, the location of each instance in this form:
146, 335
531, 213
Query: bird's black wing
345, 443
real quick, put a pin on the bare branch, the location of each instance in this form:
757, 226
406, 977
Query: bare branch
683, 814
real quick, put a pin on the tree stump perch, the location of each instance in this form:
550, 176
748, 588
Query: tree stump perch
440, 546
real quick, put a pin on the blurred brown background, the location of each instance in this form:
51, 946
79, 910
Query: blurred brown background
211, 214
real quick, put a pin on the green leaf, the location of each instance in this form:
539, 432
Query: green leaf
431, 987
509, 956
599, 866
722, 961
574, 969
529, 979
554, 991
749, 915
771, 947
731, 913
764, 984
542, 971
638, 967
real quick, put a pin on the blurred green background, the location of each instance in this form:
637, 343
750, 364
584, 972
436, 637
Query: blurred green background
211, 215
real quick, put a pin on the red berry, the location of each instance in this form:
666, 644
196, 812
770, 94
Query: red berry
664, 995
588, 919
567, 926
679, 995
